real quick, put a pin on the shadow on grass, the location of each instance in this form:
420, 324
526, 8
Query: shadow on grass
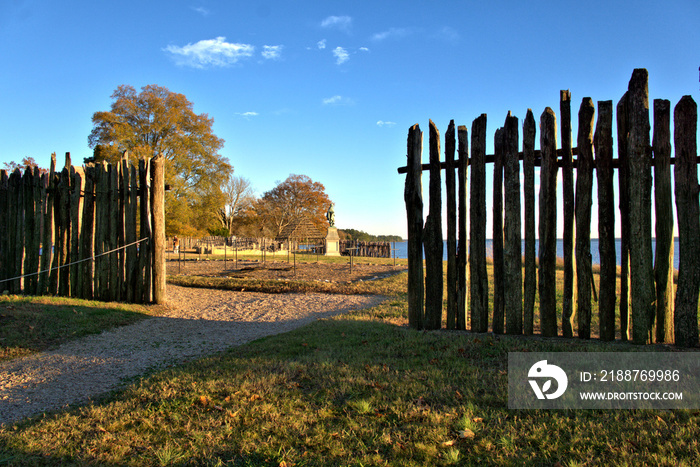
33, 324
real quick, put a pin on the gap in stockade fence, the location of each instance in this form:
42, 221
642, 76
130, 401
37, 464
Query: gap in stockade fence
651, 307
92, 232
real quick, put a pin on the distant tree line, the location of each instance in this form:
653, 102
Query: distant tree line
352, 234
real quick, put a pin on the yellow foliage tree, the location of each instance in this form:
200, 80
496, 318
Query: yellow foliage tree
158, 121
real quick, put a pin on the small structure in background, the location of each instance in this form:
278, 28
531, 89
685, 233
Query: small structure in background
302, 234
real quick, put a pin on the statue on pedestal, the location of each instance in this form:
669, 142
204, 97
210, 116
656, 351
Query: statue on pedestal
330, 215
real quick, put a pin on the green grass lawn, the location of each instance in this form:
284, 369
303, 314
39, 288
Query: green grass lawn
358, 389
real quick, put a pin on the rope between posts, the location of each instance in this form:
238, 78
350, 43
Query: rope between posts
75, 262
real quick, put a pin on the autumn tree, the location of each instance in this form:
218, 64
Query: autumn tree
26, 162
158, 121
295, 198
238, 199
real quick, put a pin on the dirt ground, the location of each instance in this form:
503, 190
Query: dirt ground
306, 271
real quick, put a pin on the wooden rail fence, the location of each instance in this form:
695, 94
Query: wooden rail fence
94, 232
649, 310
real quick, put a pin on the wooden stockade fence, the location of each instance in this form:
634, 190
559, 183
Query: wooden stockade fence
93, 232
364, 248
647, 289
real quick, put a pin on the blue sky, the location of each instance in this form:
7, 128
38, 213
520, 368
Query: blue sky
329, 89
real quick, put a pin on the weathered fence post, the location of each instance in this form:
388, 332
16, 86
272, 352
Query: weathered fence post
29, 229
44, 260
74, 270
498, 284
4, 231
584, 186
451, 226
145, 260
641, 256
478, 282
663, 265
132, 256
463, 247
158, 234
548, 224
530, 285
432, 238
123, 197
100, 183
413, 198
14, 203
569, 305
623, 184
686, 189
606, 220
113, 213
19, 231
88, 232
64, 229
35, 242
512, 254
52, 218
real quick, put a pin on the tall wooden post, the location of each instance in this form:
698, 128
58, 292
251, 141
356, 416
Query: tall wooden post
498, 285
4, 229
663, 264
685, 117
451, 226
463, 246
145, 261
77, 181
432, 238
29, 226
132, 255
13, 216
606, 220
113, 213
479, 285
87, 233
64, 233
641, 256
19, 231
530, 285
623, 183
548, 224
584, 185
512, 253
569, 298
158, 233
52, 219
413, 197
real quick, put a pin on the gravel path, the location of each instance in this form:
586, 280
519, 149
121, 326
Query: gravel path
200, 322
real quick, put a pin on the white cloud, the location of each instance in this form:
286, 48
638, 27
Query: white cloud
321, 44
341, 55
272, 52
211, 52
364, 49
201, 10
382, 123
392, 33
448, 34
338, 100
332, 100
342, 23
248, 114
